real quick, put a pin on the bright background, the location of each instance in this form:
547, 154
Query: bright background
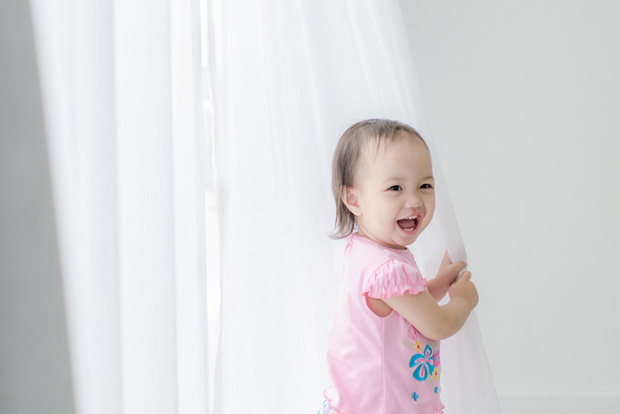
522, 99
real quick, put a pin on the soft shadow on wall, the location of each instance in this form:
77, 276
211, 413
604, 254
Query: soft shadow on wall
522, 100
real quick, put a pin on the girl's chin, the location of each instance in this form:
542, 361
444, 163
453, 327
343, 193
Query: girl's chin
398, 240
408, 236
392, 244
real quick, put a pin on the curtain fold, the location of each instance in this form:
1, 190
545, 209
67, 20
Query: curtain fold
288, 77
122, 100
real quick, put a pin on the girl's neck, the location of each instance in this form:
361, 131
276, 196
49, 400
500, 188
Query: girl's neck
360, 233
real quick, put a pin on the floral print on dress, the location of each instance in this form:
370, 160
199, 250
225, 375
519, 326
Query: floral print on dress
436, 357
425, 362
412, 333
422, 364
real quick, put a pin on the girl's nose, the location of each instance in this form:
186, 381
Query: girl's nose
414, 201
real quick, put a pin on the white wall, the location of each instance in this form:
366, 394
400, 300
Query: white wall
523, 100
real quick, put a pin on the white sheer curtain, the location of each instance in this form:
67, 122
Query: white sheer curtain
288, 76
122, 100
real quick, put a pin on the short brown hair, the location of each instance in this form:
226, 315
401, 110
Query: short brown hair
346, 161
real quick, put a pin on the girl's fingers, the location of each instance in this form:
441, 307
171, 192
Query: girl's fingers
446, 258
445, 261
465, 276
460, 266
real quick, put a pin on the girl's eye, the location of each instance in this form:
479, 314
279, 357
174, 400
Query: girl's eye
395, 188
426, 186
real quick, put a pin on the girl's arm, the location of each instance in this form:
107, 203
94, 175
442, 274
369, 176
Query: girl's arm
433, 321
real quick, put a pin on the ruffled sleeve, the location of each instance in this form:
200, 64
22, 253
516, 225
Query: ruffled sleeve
394, 278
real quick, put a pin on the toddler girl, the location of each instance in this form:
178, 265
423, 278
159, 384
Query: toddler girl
383, 352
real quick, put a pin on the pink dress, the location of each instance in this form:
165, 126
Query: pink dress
379, 365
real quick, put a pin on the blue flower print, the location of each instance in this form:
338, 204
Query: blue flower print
415, 396
422, 364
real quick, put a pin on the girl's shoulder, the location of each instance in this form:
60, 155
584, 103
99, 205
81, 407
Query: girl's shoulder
393, 277
384, 271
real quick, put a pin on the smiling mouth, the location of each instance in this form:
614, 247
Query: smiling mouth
409, 223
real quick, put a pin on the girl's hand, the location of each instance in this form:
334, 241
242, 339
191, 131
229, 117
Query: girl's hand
436, 321
446, 275
465, 288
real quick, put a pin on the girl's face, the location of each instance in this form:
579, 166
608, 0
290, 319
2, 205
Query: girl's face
393, 197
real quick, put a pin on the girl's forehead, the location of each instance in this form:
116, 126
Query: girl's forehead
375, 151
377, 146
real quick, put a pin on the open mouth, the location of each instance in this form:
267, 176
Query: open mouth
409, 223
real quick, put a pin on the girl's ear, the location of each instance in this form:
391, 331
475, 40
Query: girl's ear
350, 198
